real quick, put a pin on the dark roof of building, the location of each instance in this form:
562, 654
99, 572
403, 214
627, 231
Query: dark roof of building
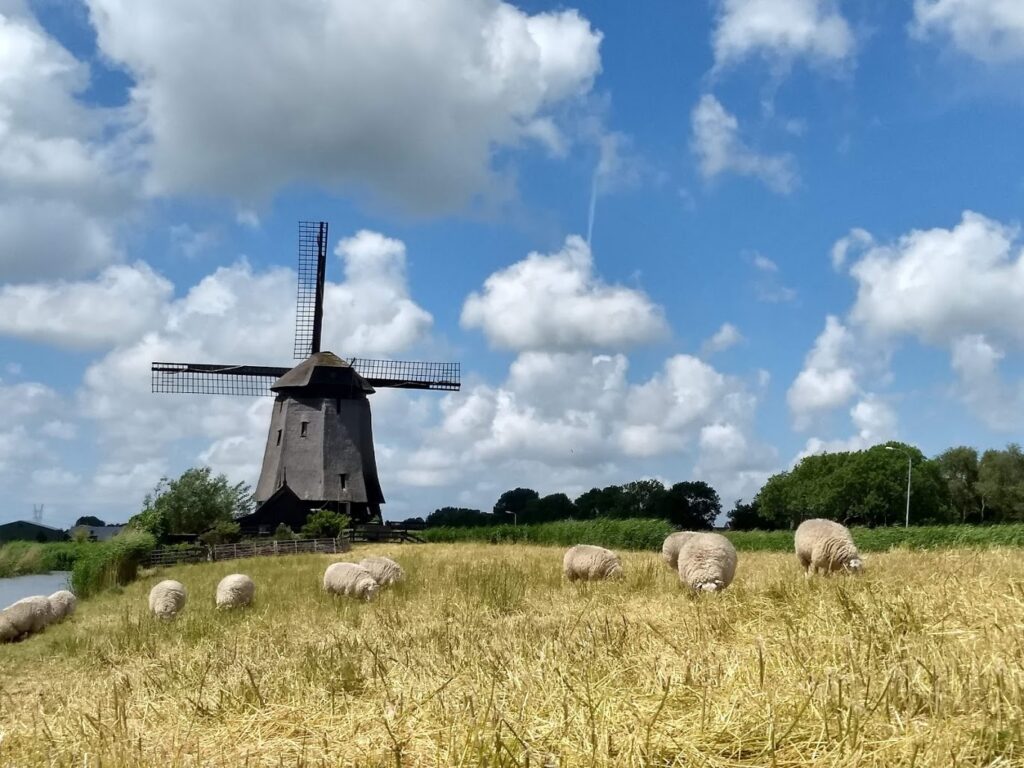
33, 524
323, 370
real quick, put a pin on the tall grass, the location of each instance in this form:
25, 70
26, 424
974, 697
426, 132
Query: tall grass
484, 656
649, 534
21, 558
111, 563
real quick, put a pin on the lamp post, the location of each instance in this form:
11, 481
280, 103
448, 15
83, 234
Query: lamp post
910, 464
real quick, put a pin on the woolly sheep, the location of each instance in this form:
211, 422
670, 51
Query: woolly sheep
62, 604
384, 570
707, 562
587, 562
351, 580
167, 599
25, 617
235, 591
670, 548
826, 546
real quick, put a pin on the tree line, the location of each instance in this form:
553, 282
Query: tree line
867, 487
692, 504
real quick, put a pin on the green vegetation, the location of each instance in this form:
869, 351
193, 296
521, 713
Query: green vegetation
485, 656
21, 558
649, 535
325, 524
193, 503
111, 563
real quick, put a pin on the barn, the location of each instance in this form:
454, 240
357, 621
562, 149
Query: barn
23, 530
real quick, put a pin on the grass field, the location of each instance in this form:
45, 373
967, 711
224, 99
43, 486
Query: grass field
485, 657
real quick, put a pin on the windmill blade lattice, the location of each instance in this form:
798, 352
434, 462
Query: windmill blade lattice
309, 305
207, 379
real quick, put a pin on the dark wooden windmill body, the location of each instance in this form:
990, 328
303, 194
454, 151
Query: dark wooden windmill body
319, 451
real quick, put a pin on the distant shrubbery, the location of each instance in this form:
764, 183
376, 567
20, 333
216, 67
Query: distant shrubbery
21, 558
111, 563
649, 535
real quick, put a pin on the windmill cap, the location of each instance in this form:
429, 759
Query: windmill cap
323, 370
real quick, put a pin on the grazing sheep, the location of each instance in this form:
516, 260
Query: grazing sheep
707, 562
235, 591
25, 617
62, 604
384, 570
167, 599
351, 580
587, 562
670, 548
826, 546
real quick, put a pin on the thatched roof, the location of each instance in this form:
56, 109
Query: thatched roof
323, 370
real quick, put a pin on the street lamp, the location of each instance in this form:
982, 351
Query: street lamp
910, 464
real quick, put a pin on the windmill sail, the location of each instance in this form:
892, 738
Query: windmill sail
255, 380
309, 306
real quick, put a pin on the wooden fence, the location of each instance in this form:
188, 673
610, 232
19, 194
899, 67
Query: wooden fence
198, 554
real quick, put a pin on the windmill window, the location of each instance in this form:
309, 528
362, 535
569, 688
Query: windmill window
302, 428
344, 481
279, 437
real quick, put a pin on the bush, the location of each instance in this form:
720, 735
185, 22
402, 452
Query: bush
605, 532
649, 535
112, 563
283, 533
324, 524
20, 558
224, 532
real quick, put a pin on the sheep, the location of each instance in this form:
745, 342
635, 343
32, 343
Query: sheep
235, 591
351, 580
670, 548
384, 570
167, 599
826, 546
25, 617
707, 562
587, 562
62, 604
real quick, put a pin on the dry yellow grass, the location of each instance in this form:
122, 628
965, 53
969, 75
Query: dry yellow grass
484, 657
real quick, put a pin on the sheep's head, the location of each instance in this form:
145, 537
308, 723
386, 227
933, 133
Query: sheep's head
710, 586
8, 631
371, 591
855, 565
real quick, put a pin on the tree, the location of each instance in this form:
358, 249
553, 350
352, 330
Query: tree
640, 498
89, 520
222, 532
325, 524
958, 468
600, 502
748, 517
555, 506
1001, 483
459, 517
514, 502
692, 505
194, 502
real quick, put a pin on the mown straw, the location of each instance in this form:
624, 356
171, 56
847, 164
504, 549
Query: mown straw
483, 656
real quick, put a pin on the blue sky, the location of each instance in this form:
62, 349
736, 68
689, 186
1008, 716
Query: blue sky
803, 221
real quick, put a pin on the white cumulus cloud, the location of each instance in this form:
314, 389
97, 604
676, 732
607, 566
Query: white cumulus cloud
720, 149
556, 302
728, 335
989, 30
781, 30
940, 284
409, 101
119, 305
828, 379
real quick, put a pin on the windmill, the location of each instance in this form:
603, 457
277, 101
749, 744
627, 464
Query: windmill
319, 451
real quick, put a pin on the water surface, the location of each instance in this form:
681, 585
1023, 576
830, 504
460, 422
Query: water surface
26, 586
